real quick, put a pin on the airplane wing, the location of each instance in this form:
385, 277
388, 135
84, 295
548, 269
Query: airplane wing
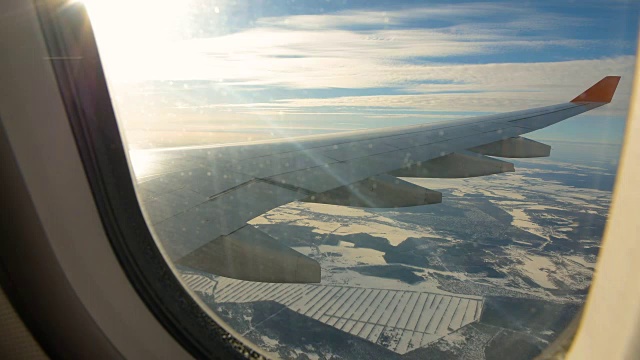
200, 199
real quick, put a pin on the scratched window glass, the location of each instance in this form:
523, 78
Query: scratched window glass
350, 180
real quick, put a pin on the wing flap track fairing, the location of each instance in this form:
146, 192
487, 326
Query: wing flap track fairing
515, 147
380, 191
463, 164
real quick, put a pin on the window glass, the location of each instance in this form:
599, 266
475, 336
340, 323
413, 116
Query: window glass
257, 134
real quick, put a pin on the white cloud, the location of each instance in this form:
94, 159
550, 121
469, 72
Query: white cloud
485, 88
376, 49
327, 50
520, 17
498, 87
312, 59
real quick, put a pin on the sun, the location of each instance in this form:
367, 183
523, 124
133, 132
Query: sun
128, 31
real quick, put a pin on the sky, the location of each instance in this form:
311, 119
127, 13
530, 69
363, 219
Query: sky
337, 65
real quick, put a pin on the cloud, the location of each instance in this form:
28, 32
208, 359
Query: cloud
521, 18
414, 51
497, 87
472, 88
333, 50
313, 59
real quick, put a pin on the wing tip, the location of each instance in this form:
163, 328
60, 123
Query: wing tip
601, 92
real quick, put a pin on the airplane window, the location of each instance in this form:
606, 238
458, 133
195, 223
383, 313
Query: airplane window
350, 180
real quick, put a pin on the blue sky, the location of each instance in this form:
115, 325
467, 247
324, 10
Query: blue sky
338, 65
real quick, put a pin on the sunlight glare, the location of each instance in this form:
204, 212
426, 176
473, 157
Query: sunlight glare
131, 31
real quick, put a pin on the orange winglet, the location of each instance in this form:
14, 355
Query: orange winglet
601, 92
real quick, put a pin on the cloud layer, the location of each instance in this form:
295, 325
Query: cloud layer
444, 58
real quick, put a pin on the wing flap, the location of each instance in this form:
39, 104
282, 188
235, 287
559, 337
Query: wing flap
463, 164
249, 254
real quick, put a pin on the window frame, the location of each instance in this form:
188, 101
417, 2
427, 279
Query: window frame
92, 118
82, 84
